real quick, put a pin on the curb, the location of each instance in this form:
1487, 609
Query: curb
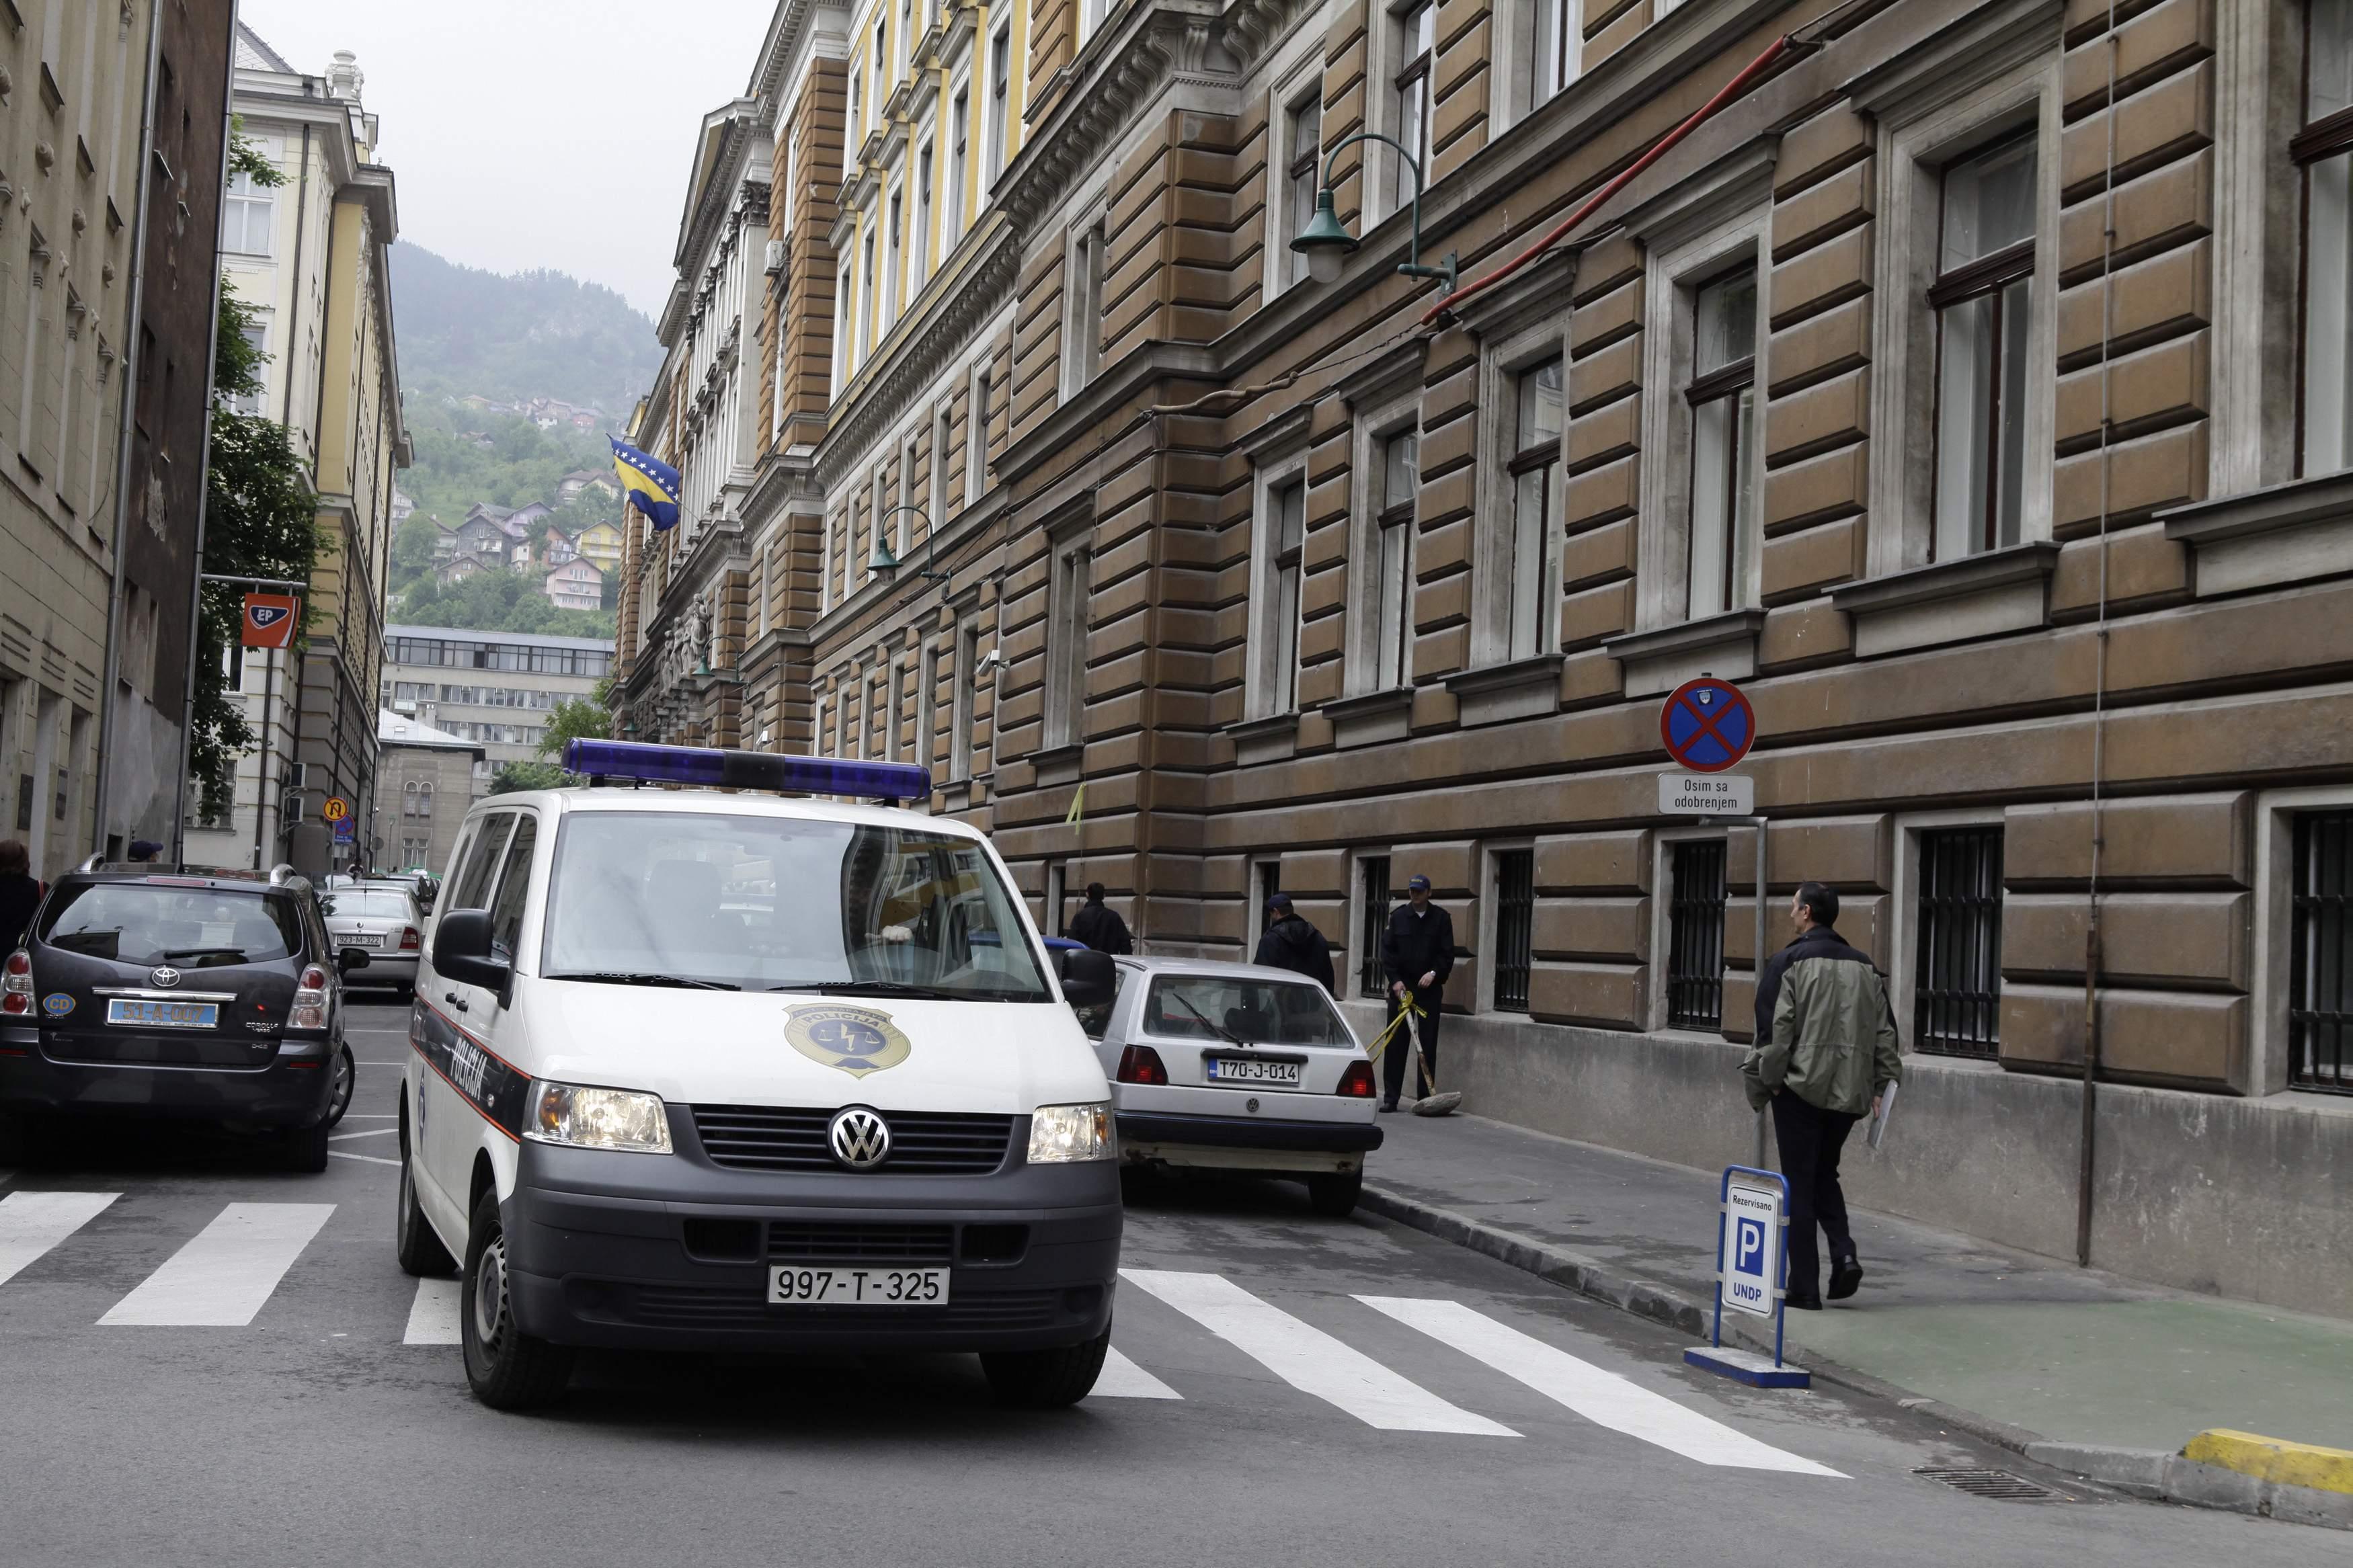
2149, 1474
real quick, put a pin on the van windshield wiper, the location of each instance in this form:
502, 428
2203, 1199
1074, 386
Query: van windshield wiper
680, 982
873, 988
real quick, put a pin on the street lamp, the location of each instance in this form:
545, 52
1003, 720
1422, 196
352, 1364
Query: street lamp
1326, 242
881, 562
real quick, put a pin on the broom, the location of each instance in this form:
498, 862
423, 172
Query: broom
1433, 1103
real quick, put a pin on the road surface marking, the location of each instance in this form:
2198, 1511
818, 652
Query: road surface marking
370, 1159
226, 1272
1602, 1397
371, 1133
32, 1222
433, 1316
1122, 1379
1306, 1357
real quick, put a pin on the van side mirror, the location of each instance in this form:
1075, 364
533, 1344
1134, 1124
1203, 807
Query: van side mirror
1090, 979
462, 951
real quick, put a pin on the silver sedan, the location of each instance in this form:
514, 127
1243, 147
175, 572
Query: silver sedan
382, 919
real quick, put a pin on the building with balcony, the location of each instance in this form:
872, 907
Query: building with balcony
1973, 389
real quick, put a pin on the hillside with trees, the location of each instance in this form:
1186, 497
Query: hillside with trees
517, 336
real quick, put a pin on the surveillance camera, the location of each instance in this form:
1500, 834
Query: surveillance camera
989, 661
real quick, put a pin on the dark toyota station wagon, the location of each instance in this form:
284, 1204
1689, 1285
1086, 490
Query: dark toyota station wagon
189, 995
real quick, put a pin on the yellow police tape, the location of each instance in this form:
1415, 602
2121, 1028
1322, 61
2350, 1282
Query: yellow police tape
1381, 1040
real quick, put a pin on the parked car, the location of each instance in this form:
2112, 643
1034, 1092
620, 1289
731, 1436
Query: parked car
191, 995
383, 920
1236, 1067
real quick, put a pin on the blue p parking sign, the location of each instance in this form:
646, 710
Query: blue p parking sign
1752, 1247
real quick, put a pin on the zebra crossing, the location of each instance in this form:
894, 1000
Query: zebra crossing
229, 1269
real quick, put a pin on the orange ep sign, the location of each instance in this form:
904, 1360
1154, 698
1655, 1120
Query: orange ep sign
270, 619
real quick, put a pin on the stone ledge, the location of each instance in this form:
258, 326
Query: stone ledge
1986, 594
1057, 764
1521, 689
1372, 717
1658, 661
2267, 538
1267, 740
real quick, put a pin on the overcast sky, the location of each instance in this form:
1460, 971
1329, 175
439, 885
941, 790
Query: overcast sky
531, 133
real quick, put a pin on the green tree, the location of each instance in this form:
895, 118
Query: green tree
259, 522
588, 717
513, 776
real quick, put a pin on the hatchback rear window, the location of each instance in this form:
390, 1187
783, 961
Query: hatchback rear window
1254, 1012
375, 903
192, 928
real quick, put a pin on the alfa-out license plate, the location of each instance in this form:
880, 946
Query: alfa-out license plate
1274, 1072
835, 1285
162, 1014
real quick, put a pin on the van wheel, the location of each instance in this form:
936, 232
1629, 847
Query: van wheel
1045, 1380
506, 1368
306, 1147
1335, 1194
419, 1251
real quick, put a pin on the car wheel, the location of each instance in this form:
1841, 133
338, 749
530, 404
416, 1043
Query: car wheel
347, 1073
1335, 1195
506, 1368
1045, 1380
306, 1148
418, 1249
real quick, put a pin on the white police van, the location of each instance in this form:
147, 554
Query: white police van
722, 1070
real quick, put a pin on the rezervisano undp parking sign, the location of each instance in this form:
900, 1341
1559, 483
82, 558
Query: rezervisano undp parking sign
1752, 1247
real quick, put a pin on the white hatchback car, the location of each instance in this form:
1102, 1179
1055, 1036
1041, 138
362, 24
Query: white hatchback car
1237, 1067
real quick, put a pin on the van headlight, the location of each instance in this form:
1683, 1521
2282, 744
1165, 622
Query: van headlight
1061, 1133
586, 1118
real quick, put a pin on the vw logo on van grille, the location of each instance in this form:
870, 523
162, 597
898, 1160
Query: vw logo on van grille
859, 1138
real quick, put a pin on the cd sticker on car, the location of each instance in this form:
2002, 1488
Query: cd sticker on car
856, 1040
56, 1003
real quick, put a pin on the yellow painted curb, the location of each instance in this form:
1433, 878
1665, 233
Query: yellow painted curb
2272, 1459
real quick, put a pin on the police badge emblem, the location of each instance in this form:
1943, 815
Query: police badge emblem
856, 1040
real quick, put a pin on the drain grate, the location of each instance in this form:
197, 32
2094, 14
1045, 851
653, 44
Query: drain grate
1993, 1484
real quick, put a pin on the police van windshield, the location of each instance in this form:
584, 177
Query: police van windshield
766, 903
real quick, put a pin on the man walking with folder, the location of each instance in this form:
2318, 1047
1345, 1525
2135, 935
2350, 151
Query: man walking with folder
1826, 1053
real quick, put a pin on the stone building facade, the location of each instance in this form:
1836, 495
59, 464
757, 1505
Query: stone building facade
425, 781
1973, 390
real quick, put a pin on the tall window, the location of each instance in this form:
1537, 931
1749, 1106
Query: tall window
845, 314
1723, 398
1373, 919
881, 65
257, 337
857, 119
1066, 644
1393, 617
1000, 96
1552, 54
1957, 986
866, 317
1417, 35
1515, 924
2320, 959
906, 33
963, 700
943, 432
1695, 936
927, 703
249, 216
922, 267
959, 133
1985, 264
975, 438
893, 260
1083, 321
2325, 153
1305, 177
1286, 534
1535, 506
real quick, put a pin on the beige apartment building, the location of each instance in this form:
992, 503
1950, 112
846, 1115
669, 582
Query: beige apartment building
491, 690
311, 255
1974, 390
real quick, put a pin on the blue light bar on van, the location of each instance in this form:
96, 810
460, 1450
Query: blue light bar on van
747, 770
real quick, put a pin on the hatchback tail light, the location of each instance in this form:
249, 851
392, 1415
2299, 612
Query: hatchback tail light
16, 996
409, 939
1141, 1064
310, 1009
1356, 1083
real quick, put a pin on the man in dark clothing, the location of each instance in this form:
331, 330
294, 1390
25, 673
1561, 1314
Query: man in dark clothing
144, 851
1417, 954
1290, 943
1099, 926
19, 895
1826, 1051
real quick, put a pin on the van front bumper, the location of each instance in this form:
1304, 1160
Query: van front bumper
288, 1087
667, 1252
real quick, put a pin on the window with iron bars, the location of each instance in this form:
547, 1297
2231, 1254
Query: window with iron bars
1516, 920
1695, 936
1957, 989
2320, 978
1372, 875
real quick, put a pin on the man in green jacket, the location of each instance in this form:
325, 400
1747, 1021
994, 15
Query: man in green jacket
1826, 1051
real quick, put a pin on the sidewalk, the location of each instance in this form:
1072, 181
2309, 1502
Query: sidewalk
2021, 1348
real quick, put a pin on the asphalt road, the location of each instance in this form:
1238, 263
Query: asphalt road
1269, 1413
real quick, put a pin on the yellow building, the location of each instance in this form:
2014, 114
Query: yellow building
600, 542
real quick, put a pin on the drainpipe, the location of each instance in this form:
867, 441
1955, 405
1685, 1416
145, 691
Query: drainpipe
109, 708
204, 501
